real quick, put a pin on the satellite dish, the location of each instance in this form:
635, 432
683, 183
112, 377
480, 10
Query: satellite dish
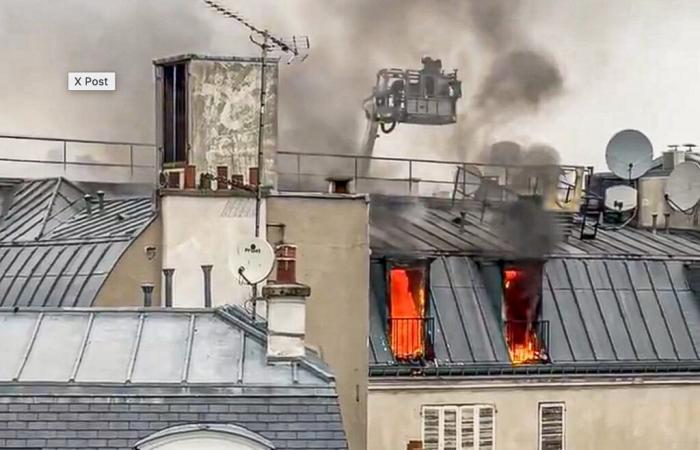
629, 154
470, 179
683, 186
621, 198
253, 260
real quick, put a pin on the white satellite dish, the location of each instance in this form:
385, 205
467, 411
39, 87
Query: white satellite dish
253, 260
683, 186
470, 179
621, 198
629, 154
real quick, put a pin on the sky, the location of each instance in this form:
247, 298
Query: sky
625, 64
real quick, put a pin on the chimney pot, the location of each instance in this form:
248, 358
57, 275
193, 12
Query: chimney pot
654, 218
147, 289
286, 320
190, 177
253, 176
667, 221
286, 256
101, 200
88, 203
206, 272
168, 273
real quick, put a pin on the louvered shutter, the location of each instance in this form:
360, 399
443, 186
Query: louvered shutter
486, 427
449, 429
431, 428
467, 427
552, 427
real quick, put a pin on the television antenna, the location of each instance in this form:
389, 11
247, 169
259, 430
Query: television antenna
253, 260
682, 189
629, 154
296, 48
621, 198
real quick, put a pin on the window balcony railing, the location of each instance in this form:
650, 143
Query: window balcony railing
527, 341
411, 338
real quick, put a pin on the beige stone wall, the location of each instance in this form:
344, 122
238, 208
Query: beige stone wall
123, 285
607, 416
333, 258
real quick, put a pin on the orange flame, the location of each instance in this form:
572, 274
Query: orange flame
527, 351
407, 306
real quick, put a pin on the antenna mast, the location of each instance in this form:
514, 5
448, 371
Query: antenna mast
295, 47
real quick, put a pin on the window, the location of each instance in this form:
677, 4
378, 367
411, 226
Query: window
525, 335
551, 426
409, 325
469, 427
175, 113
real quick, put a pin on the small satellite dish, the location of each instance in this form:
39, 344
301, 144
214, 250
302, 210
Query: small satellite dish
470, 179
629, 154
683, 186
253, 260
621, 198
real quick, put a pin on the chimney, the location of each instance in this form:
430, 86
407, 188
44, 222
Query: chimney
672, 157
667, 221
286, 320
168, 273
147, 289
101, 200
88, 203
653, 222
206, 272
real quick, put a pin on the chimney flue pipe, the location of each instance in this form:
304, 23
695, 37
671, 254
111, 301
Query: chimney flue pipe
88, 203
653, 222
168, 274
206, 272
667, 222
147, 289
101, 200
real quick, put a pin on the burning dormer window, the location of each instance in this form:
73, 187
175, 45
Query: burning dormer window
408, 323
526, 336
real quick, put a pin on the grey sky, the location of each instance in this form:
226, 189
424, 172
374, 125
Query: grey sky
626, 63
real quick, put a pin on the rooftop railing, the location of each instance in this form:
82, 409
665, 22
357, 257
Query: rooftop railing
78, 159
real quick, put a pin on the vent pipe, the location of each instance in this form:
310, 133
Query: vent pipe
653, 222
147, 289
168, 274
101, 200
88, 204
667, 222
206, 272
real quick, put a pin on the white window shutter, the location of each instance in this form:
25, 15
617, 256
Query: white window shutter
486, 427
551, 426
431, 428
449, 429
467, 430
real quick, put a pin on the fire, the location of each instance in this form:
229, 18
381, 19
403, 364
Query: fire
520, 305
526, 351
407, 312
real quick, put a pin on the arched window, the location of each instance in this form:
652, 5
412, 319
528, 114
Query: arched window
205, 437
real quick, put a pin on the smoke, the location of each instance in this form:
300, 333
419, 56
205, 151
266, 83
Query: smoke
532, 232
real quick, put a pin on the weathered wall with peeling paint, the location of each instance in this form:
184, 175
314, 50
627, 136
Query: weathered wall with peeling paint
224, 116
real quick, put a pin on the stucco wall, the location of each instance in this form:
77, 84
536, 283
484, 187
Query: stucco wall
333, 258
123, 285
611, 416
206, 229
652, 201
224, 114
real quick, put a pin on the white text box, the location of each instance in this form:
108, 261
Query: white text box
92, 81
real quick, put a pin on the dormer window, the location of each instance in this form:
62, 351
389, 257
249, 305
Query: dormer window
409, 326
526, 336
